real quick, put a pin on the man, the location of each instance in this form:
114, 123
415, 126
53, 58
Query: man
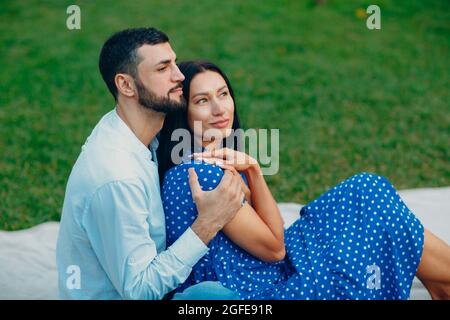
111, 243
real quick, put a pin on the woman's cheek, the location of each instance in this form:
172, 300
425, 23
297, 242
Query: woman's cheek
231, 109
200, 116
204, 115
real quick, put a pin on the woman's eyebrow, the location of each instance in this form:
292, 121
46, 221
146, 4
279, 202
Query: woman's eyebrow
222, 88
200, 94
206, 93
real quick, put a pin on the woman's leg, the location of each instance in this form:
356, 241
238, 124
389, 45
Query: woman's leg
434, 266
207, 290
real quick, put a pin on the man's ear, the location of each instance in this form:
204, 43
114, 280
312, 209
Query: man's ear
125, 84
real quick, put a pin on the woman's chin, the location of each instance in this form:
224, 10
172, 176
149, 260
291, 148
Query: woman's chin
217, 134
227, 132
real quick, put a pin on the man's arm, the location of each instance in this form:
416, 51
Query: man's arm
116, 224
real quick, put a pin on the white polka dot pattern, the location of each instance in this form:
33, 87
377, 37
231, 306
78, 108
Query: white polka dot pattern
360, 223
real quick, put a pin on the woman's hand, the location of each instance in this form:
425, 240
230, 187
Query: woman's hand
229, 158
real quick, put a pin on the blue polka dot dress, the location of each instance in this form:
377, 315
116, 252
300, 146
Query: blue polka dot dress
358, 240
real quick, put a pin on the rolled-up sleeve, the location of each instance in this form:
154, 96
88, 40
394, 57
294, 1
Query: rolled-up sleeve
117, 227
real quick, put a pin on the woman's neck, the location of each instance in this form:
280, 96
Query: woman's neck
211, 145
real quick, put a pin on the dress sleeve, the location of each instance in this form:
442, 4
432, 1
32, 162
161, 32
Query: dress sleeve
179, 208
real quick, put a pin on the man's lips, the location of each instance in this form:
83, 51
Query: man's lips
176, 90
221, 123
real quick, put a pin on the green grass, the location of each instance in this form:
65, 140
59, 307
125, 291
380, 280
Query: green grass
346, 99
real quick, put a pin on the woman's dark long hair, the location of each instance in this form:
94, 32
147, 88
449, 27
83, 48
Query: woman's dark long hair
179, 119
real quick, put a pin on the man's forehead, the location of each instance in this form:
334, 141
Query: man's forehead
154, 54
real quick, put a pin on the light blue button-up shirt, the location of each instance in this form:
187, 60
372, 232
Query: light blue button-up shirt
112, 237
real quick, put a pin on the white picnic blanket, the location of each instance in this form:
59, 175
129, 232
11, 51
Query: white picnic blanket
27, 257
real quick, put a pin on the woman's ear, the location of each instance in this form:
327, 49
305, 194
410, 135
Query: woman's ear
125, 84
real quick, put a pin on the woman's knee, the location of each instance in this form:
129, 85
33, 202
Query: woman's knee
368, 179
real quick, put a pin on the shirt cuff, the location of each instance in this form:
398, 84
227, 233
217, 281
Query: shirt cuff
189, 248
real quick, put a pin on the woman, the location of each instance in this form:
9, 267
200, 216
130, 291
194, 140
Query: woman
356, 241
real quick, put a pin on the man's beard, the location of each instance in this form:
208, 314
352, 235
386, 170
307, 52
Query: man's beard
151, 101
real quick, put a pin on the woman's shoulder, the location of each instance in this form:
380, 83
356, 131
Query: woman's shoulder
200, 167
209, 175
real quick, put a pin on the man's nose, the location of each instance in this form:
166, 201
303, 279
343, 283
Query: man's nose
177, 76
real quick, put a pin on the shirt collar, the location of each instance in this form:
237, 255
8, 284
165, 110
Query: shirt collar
153, 147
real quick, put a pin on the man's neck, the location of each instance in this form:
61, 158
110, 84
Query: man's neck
144, 123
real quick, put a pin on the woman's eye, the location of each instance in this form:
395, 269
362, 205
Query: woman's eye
201, 101
223, 94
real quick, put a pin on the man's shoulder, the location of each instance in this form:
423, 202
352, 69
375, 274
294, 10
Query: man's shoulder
99, 165
111, 154
107, 153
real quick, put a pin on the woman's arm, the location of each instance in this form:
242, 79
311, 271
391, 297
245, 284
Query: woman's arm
264, 203
252, 234
258, 229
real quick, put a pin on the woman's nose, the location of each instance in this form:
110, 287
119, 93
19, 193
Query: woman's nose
218, 107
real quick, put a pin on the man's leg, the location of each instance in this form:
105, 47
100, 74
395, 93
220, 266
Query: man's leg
207, 290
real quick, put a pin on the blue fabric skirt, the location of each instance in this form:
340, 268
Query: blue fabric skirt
358, 240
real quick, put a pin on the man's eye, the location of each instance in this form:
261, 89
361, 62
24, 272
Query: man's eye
162, 69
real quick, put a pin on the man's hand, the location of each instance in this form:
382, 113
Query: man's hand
217, 207
244, 187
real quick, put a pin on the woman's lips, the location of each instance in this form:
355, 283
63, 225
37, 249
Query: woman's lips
221, 124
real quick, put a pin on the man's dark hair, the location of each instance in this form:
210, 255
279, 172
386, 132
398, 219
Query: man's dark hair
119, 53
